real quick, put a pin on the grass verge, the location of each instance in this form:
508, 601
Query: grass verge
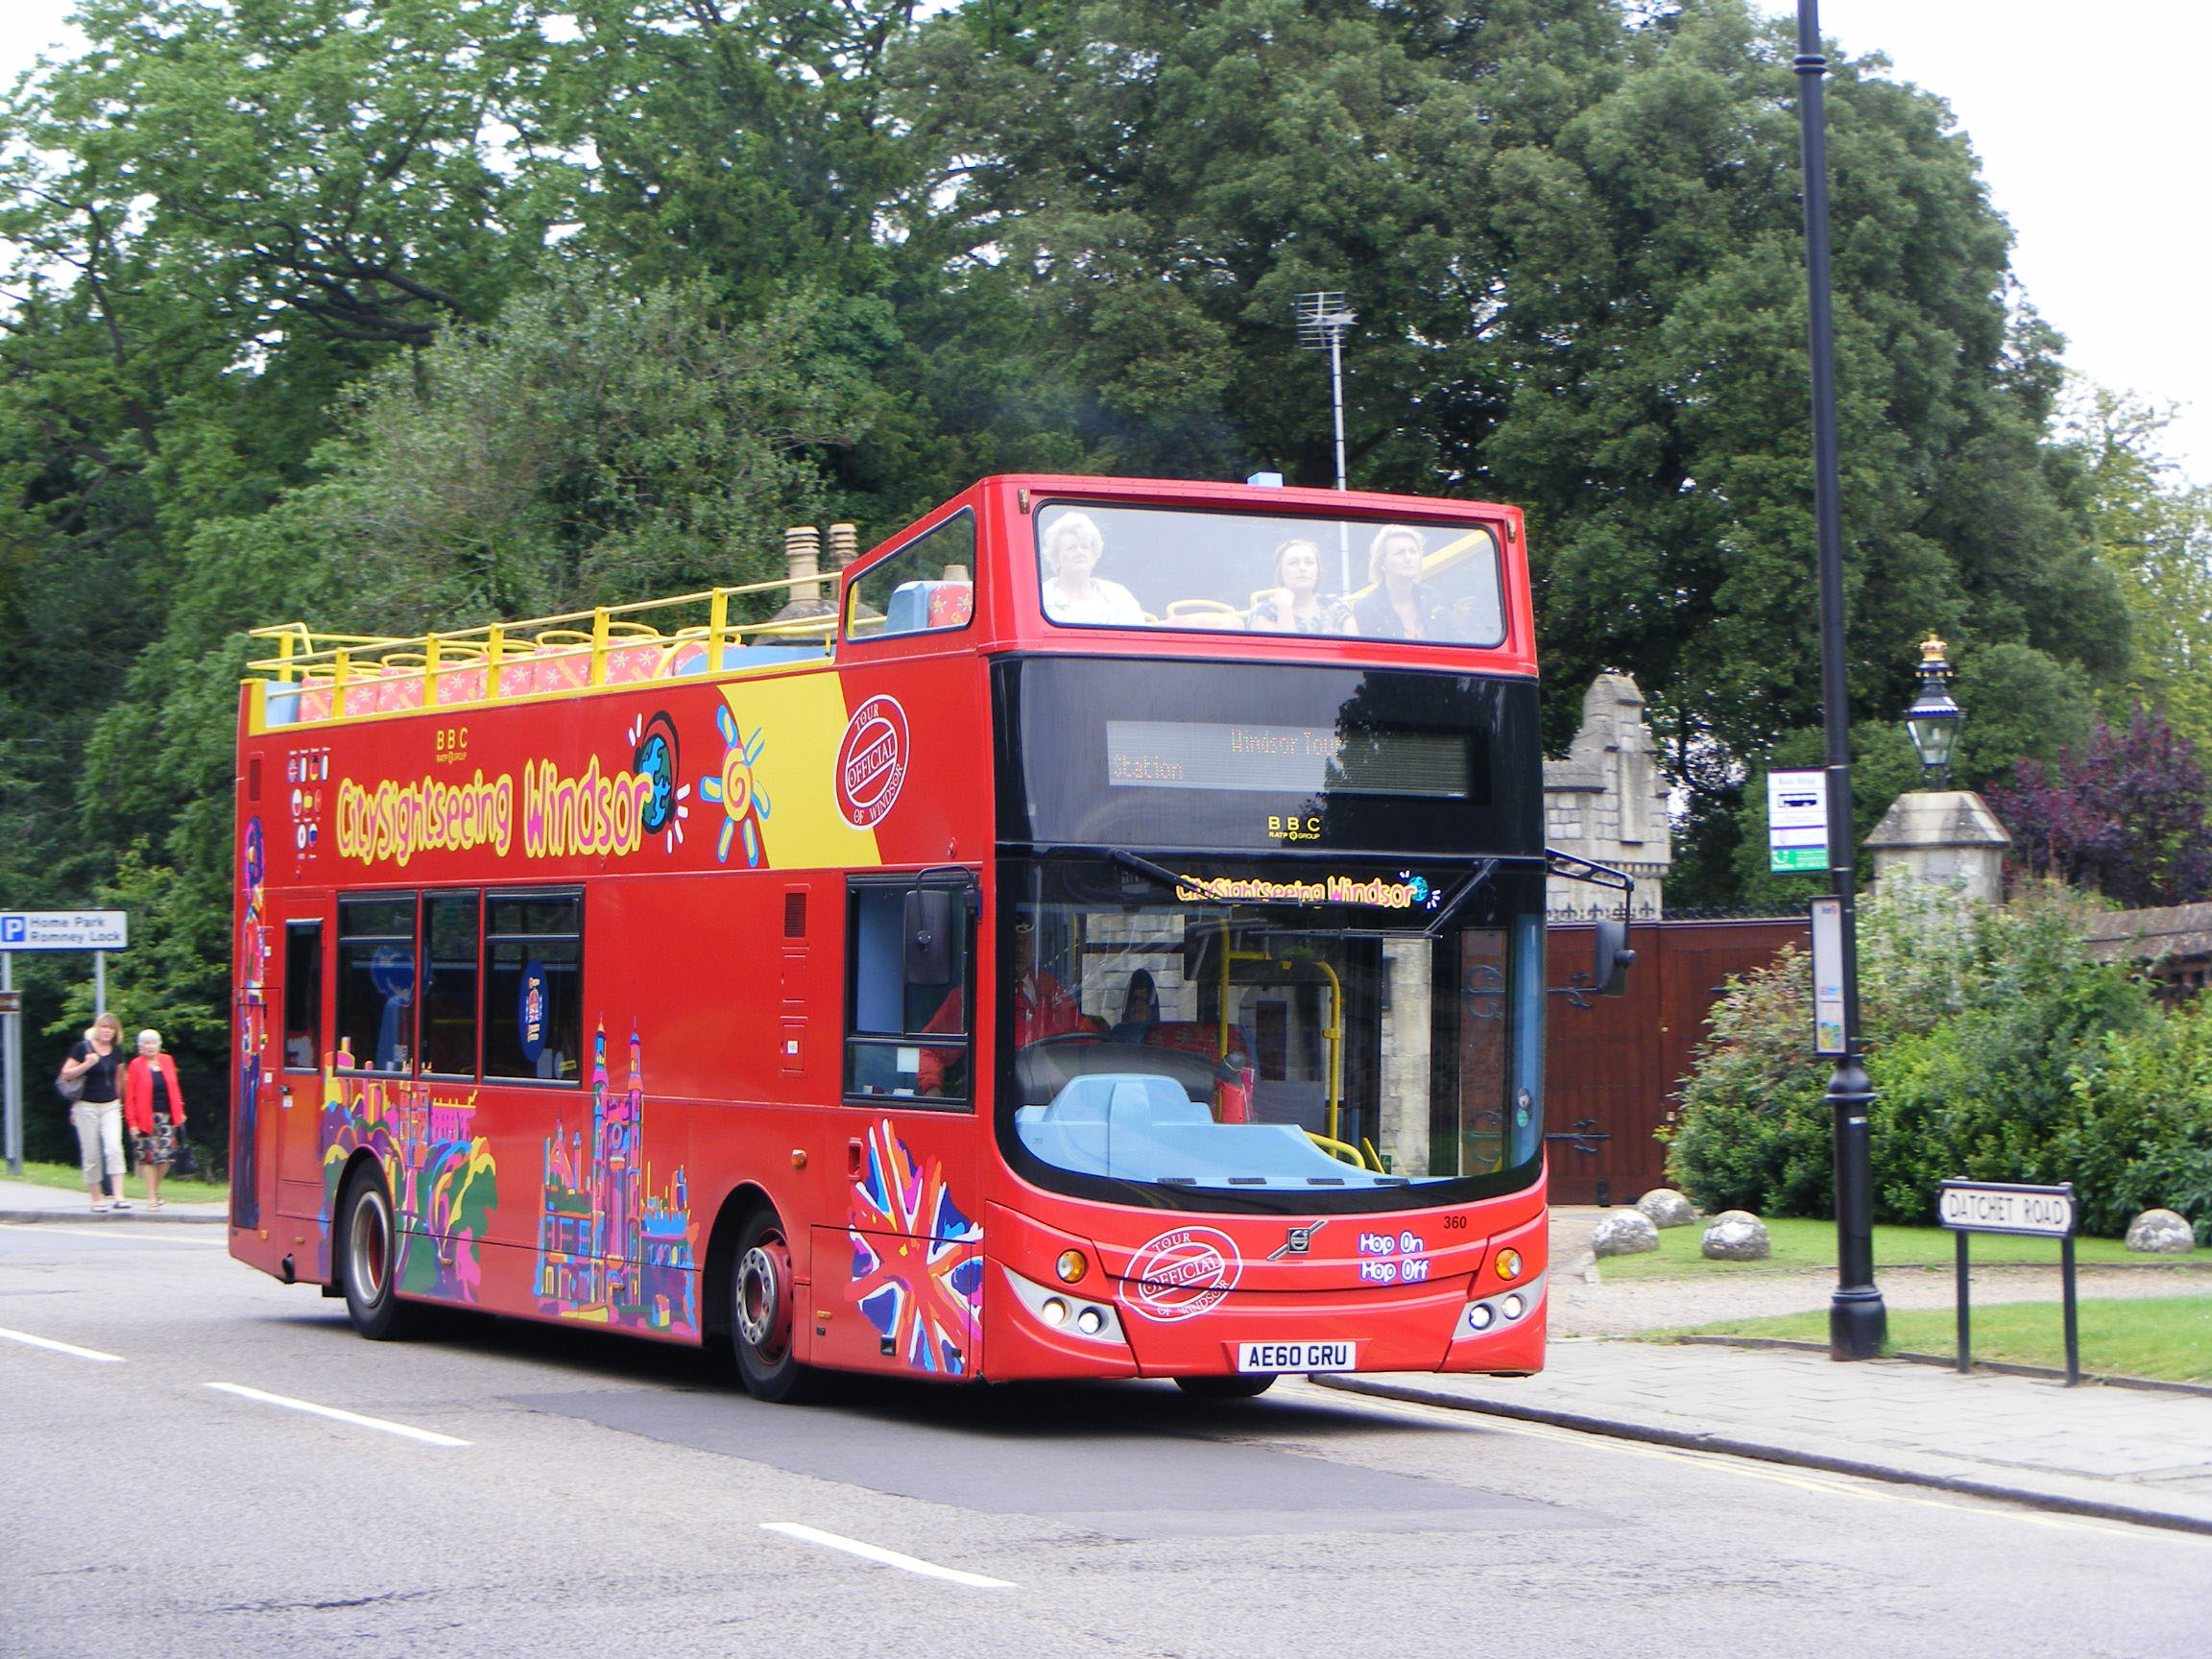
174, 1190
1800, 1245
2168, 1338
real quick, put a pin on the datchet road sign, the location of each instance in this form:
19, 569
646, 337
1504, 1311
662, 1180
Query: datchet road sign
1993, 1206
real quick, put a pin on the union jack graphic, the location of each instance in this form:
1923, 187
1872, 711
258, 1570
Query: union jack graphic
917, 1278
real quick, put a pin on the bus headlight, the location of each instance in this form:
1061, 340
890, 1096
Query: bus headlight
1509, 1264
1054, 1312
1071, 1267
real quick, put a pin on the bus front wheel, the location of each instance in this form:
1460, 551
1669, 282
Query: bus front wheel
761, 1311
368, 1260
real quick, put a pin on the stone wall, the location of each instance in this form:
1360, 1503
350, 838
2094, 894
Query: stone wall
1607, 802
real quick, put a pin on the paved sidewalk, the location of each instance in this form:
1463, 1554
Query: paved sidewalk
2127, 1453
2123, 1453
24, 1201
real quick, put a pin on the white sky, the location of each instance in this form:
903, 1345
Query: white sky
2092, 125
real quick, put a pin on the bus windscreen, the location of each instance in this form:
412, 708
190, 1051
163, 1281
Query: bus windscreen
1114, 567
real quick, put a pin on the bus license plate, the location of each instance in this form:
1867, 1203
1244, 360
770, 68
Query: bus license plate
1297, 1355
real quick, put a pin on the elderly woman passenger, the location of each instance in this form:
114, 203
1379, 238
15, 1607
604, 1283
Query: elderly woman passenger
1072, 548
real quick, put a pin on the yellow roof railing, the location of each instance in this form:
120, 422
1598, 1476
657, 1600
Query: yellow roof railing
317, 676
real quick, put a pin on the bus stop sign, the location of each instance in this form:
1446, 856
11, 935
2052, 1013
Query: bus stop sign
64, 929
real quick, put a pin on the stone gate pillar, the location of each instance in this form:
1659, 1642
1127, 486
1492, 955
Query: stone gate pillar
1607, 802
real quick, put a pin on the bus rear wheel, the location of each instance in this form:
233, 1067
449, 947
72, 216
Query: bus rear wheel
368, 1260
762, 1300
1243, 1386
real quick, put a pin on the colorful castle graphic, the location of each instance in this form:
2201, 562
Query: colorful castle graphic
608, 1249
444, 1181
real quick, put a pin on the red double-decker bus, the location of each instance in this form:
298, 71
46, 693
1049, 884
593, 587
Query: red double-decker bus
1105, 940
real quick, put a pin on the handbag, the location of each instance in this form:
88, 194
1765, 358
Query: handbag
70, 1088
187, 1162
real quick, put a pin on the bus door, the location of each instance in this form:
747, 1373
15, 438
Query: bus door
291, 1100
898, 1278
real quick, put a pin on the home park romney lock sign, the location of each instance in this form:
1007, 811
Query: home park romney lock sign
64, 929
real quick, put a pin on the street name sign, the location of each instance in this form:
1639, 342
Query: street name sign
1989, 1207
1971, 1207
1796, 823
64, 929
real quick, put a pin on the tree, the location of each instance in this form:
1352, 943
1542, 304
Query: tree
2154, 531
2129, 815
1571, 230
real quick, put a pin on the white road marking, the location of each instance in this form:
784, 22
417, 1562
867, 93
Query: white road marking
425, 1436
886, 1558
40, 1228
61, 1347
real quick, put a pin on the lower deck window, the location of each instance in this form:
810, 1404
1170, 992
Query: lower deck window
534, 986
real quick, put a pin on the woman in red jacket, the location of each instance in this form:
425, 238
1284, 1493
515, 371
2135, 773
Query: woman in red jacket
153, 1107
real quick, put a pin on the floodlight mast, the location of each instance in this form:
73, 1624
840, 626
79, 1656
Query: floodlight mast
1323, 321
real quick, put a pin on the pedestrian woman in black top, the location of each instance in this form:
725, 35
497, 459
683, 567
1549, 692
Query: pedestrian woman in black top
97, 1063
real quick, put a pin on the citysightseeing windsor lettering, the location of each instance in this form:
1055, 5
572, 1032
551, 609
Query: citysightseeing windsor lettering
393, 821
1327, 889
593, 813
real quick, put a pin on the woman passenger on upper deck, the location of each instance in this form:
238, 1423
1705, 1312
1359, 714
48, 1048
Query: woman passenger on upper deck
1400, 605
1296, 605
1072, 548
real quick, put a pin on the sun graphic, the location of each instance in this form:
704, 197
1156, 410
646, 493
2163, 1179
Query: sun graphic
743, 805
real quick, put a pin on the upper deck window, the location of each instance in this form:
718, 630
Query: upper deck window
927, 586
1102, 565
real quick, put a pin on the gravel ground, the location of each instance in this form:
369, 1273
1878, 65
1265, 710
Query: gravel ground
1586, 1304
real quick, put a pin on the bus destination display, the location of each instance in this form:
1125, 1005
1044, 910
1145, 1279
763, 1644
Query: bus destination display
1241, 756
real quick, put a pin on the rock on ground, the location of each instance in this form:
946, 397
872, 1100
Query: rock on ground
1667, 1207
2161, 1233
1627, 1232
1736, 1235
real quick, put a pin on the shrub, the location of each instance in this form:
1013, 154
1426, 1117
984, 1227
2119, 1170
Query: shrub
2000, 1051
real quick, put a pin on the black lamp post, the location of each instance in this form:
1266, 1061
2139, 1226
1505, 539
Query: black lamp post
1857, 1319
1934, 719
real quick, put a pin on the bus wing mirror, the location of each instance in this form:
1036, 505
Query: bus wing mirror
1609, 973
929, 937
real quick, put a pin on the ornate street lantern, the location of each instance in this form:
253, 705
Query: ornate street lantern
1934, 719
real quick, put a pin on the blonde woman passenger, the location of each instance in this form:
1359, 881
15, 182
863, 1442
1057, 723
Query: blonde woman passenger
1296, 604
1073, 591
1400, 605
153, 1109
96, 1064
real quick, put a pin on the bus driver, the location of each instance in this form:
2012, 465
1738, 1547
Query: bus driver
1042, 1008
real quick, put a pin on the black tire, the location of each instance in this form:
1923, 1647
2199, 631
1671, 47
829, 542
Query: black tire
1246, 1385
764, 1308
368, 1249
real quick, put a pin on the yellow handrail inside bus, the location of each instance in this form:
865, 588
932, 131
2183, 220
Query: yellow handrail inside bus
1331, 1033
1343, 1151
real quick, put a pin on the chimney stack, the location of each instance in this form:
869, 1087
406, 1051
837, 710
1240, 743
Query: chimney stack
803, 555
